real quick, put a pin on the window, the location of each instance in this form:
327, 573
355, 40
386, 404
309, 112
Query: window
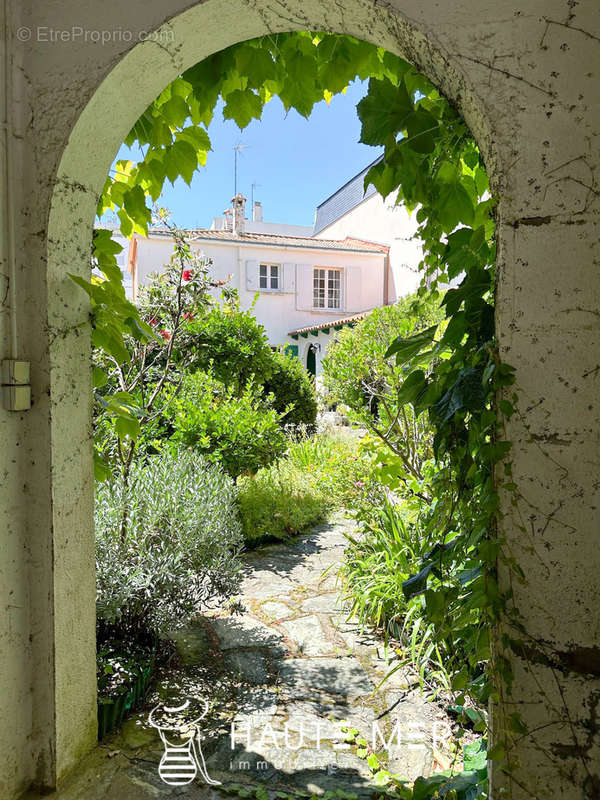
268, 277
327, 288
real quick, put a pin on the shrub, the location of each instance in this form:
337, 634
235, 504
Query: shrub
317, 475
336, 460
232, 345
241, 433
179, 551
291, 385
357, 374
279, 501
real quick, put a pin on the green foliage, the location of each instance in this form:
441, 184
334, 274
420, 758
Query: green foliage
183, 534
336, 462
293, 389
278, 502
359, 373
378, 562
232, 345
317, 475
242, 433
130, 389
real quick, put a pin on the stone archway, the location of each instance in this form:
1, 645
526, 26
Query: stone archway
511, 75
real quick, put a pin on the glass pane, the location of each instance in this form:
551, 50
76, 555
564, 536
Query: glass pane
333, 288
263, 281
274, 282
274, 270
263, 270
319, 288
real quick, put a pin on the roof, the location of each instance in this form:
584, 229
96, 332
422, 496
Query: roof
336, 323
276, 240
344, 199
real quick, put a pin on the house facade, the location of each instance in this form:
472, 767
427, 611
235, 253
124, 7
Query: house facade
365, 214
293, 283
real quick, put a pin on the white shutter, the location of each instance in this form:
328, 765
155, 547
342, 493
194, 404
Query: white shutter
289, 278
252, 276
304, 287
353, 301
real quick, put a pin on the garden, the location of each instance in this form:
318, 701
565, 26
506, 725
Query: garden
209, 443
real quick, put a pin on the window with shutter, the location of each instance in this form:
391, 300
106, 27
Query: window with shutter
269, 277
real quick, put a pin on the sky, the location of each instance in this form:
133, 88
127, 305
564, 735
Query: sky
297, 163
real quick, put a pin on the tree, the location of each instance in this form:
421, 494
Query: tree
231, 344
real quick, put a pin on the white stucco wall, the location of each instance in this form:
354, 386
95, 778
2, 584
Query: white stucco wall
384, 222
277, 311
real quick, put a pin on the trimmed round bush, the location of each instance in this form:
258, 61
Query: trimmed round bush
290, 384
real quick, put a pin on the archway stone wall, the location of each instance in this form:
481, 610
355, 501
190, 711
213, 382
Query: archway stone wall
526, 81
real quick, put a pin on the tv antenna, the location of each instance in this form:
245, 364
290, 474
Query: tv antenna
236, 150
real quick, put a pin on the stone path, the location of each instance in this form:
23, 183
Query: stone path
283, 670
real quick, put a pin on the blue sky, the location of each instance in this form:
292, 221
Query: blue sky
297, 162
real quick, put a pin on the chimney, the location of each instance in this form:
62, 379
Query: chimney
257, 212
239, 214
228, 218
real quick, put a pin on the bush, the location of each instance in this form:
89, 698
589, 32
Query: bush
179, 551
317, 475
336, 460
278, 502
357, 374
240, 433
291, 385
232, 345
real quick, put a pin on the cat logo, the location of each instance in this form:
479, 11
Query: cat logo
182, 761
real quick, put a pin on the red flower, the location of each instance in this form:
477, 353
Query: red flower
153, 321
188, 315
187, 274
165, 335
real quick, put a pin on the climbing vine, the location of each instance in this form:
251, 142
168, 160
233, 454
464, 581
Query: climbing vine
451, 372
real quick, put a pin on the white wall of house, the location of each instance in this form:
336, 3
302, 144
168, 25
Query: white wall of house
290, 306
384, 222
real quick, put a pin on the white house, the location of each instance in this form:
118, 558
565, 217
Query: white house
305, 288
360, 254
352, 211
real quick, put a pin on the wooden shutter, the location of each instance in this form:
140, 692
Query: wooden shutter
252, 276
353, 296
289, 278
304, 287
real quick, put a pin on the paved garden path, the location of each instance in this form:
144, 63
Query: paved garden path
285, 667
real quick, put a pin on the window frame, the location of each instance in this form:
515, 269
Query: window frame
269, 265
327, 290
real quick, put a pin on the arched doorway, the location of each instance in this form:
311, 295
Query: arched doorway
525, 128
124, 94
